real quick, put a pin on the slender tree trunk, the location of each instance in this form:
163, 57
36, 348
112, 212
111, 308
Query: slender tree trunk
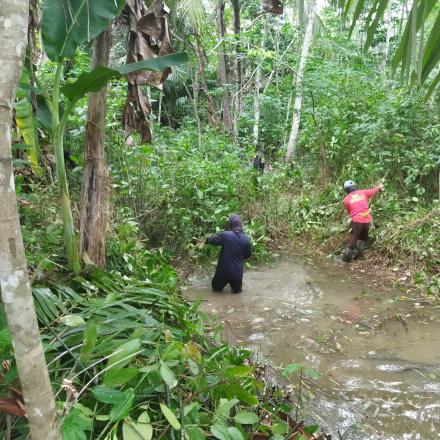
223, 69
256, 128
213, 119
291, 146
300, 10
159, 113
238, 103
194, 101
16, 292
237, 30
257, 103
95, 184
386, 50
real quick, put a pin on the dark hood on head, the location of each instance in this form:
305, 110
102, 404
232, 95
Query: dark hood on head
235, 223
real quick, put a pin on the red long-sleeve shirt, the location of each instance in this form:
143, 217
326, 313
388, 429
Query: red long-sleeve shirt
356, 204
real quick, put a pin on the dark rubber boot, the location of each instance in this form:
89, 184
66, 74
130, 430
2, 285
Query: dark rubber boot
347, 256
360, 246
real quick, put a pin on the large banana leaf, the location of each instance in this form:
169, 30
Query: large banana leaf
96, 79
25, 121
405, 40
432, 50
67, 23
411, 50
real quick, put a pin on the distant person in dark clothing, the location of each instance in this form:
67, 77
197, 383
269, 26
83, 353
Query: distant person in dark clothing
258, 163
236, 247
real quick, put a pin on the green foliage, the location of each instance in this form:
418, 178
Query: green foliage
68, 23
179, 193
142, 362
96, 79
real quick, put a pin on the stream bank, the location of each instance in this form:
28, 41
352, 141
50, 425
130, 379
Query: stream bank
374, 347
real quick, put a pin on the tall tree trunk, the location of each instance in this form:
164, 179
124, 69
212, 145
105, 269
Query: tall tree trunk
95, 188
291, 146
386, 50
16, 292
194, 101
224, 70
257, 103
238, 102
213, 119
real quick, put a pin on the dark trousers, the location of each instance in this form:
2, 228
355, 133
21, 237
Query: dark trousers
359, 231
218, 284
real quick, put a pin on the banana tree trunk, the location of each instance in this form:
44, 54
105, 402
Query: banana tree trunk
16, 292
291, 146
95, 182
58, 127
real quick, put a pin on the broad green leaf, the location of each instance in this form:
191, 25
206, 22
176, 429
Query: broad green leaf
432, 87
194, 433
72, 320
86, 411
140, 430
121, 409
220, 431
117, 377
380, 10
5, 338
172, 352
311, 429
225, 407
280, 428
89, 342
75, 424
25, 121
234, 433
240, 371
170, 416
96, 79
246, 418
157, 64
107, 395
190, 407
167, 375
406, 37
432, 50
92, 81
359, 7
236, 390
124, 354
67, 23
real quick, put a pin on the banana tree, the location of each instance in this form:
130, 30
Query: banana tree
65, 25
418, 50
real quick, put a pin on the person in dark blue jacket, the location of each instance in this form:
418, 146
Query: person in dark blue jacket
236, 247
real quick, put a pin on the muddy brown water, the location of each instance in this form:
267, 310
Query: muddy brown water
377, 349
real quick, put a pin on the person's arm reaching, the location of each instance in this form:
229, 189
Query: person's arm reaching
373, 191
216, 239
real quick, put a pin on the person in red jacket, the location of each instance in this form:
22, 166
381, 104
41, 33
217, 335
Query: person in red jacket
356, 203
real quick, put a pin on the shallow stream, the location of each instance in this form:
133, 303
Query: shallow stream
377, 350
